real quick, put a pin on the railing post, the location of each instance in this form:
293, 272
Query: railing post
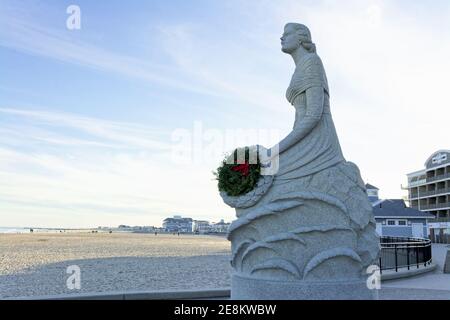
381, 269
407, 255
395, 250
417, 256
425, 256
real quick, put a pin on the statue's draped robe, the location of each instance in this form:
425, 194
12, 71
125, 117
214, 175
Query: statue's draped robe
319, 149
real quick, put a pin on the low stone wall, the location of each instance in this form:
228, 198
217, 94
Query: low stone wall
405, 273
207, 294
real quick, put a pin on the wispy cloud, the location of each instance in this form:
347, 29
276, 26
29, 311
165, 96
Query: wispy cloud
19, 33
124, 134
133, 182
195, 66
210, 65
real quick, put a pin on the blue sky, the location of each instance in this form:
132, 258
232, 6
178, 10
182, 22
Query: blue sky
87, 117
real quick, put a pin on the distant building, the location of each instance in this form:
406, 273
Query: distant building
394, 218
135, 229
201, 226
177, 224
220, 227
143, 229
372, 192
429, 191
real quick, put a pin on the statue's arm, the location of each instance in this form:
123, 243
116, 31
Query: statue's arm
314, 107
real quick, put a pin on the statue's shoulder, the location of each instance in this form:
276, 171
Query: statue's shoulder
309, 72
311, 63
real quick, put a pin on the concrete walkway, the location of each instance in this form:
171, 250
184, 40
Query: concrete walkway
433, 285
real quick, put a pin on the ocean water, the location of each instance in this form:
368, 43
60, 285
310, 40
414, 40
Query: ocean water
14, 230
37, 230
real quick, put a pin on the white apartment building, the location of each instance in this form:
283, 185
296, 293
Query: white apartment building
429, 191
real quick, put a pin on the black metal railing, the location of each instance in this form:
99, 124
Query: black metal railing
403, 252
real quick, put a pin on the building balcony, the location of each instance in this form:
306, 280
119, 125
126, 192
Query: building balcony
422, 182
436, 206
415, 183
436, 192
439, 177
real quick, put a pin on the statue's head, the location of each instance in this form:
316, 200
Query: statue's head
294, 36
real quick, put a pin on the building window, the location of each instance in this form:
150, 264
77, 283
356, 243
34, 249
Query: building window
391, 222
402, 222
372, 193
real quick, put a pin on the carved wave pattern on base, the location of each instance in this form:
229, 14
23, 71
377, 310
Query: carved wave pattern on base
267, 257
279, 264
285, 202
327, 255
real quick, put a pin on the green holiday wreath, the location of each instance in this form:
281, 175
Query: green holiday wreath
238, 177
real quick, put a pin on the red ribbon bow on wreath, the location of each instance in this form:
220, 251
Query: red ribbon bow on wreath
242, 168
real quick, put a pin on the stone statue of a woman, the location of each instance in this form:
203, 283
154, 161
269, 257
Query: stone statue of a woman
311, 233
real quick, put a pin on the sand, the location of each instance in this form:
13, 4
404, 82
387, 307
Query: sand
35, 264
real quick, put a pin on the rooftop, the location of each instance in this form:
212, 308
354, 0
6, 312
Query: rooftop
369, 186
178, 219
396, 208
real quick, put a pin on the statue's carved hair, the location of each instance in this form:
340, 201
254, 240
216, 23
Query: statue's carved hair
305, 36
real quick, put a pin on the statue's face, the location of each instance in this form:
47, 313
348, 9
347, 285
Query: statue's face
290, 40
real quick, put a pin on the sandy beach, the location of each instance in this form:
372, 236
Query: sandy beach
35, 264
